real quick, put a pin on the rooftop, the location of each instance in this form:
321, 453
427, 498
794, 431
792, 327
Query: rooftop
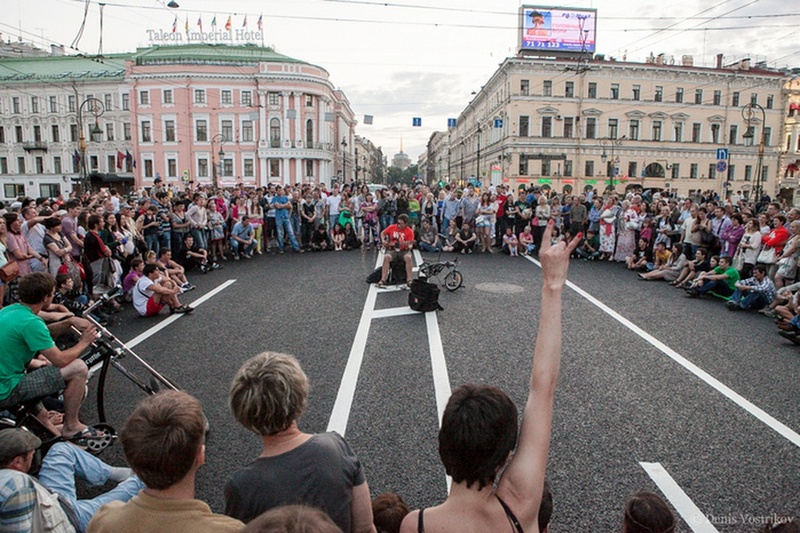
54, 67
210, 53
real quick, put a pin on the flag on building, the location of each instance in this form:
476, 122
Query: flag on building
228, 24
214, 23
175, 25
76, 159
128, 159
200, 23
186, 25
260, 22
244, 24
368, 119
120, 159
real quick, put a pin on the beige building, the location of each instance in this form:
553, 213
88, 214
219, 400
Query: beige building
570, 125
790, 166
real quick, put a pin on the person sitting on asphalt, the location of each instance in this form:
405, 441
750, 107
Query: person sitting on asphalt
164, 442
478, 436
429, 237
646, 512
670, 270
152, 292
701, 263
50, 503
174, 270
753, 293
641, 257
589, 247
465, 240
23, 334
721, 281
397, 240
321, 240
243, 239
267, 396
193, 256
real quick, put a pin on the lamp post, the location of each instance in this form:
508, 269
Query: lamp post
97, 109
614, 144
344, 160
220, 140
462, 161
478, 162
748, 114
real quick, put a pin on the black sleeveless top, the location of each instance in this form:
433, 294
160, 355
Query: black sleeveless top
509, 514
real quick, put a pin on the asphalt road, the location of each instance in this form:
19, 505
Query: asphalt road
621, 399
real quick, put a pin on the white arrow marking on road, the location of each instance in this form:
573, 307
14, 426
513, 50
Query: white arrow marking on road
690, 513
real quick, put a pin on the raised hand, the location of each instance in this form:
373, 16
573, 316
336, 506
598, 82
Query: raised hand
555, 258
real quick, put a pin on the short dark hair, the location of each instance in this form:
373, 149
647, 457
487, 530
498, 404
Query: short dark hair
51, 222
647, 513
72, 204
479, 431
162, 436
403, 217
35, 287
725, 258
737, 216
61, 279
93, 221
149, 268
388, 511
760, 268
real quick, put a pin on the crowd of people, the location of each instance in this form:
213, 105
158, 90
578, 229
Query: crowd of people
65, 252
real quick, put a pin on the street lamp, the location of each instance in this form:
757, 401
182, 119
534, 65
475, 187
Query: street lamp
478, 162
748, 113
220, 139
462, 160
97, 110
614, 144
344, 160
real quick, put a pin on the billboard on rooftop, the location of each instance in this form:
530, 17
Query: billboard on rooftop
557, 30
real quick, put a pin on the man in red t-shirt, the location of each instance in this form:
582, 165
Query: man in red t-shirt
398, 240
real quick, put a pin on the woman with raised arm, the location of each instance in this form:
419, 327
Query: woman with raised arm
479, 431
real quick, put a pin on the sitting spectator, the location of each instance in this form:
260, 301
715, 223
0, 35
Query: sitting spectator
510, 243
388, 511
450, 234
721, 281
753, 293
526, 241
479, 431
152, 292
429, 237
164, 442
351, 240
292, 519
134, 274
646, 512
701, 263
338, 237
670, 270
174, 270
268, 394
465, 240
320, 240
641, 257
194, 256
50, 503
589, 247
243, 239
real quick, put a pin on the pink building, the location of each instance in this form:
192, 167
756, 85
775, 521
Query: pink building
236, 114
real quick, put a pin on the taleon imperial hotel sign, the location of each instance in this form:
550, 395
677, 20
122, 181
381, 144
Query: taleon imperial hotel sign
240, 35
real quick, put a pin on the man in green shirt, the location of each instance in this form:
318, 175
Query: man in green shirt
23, 335
721, 281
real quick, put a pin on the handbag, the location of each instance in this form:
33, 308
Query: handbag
480, 219
767, 256
9, 271
786, 267
738, 261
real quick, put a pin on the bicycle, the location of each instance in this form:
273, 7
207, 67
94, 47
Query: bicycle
453, 279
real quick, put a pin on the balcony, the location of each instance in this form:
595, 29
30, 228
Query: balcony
34, 146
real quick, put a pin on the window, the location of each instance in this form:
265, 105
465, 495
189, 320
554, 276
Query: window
57, 165
274, 168
698, 96
20, 165
696, 132
49, 190
591, 128
524, 87
748, 173
111, 163
547, 88
247, 98
589, 169
275, 133
37, 134
546, 167
632, 169
693, 171
76, 165
226, 97
568, 126
169, 131
126, 102
199, 96
767, 135
715, 133
656, 130
126, 131
770, 101
248, 168
39, 160
592, 90
676, 170
34, 104
615, 91
94, 162
107, 102
735, 99
172, 167
167, 95
53, 104
309, 133
568, 167
15, 108
71, 105
309, 100
717, 97
227, 130
274, 99
109, 131
18, 134
659, 95
613, 128
569, 89
12, 190
753, 98
679, 95
637, 92
148, 168
764, 173
524, 124
201, 130
2, 135
202, 168
547, 126
523, 166
247, 131
633, 130
144, 97
678, 130
712, 170
731, 172
227, 167
74, 135
146, 137
733, 133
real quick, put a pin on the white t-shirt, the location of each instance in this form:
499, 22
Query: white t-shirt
333, 204
142, 293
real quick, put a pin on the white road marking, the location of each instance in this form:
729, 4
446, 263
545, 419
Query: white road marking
394, 311
779, 427
177, 316
690, 513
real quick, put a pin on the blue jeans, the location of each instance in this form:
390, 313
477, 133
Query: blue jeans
64, 461
165, 240
247, 248
717, 287
425, 247
152, 242
200, 238
749, 299
332, 222
386, 221
284, 225
296, 224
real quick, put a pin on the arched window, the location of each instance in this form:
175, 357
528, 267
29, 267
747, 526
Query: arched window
275, 133
309, 133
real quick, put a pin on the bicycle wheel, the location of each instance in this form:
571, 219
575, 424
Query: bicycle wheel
453, 280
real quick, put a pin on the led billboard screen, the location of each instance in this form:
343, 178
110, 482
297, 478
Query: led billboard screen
557, 30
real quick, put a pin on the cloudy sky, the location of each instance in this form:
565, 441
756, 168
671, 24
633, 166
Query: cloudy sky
400, 59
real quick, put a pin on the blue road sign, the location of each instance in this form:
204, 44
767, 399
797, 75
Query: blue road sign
722, 154
451, 123
498, 123
416, 121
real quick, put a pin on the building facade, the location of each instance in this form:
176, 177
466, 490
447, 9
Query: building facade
212, 114
570, 125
